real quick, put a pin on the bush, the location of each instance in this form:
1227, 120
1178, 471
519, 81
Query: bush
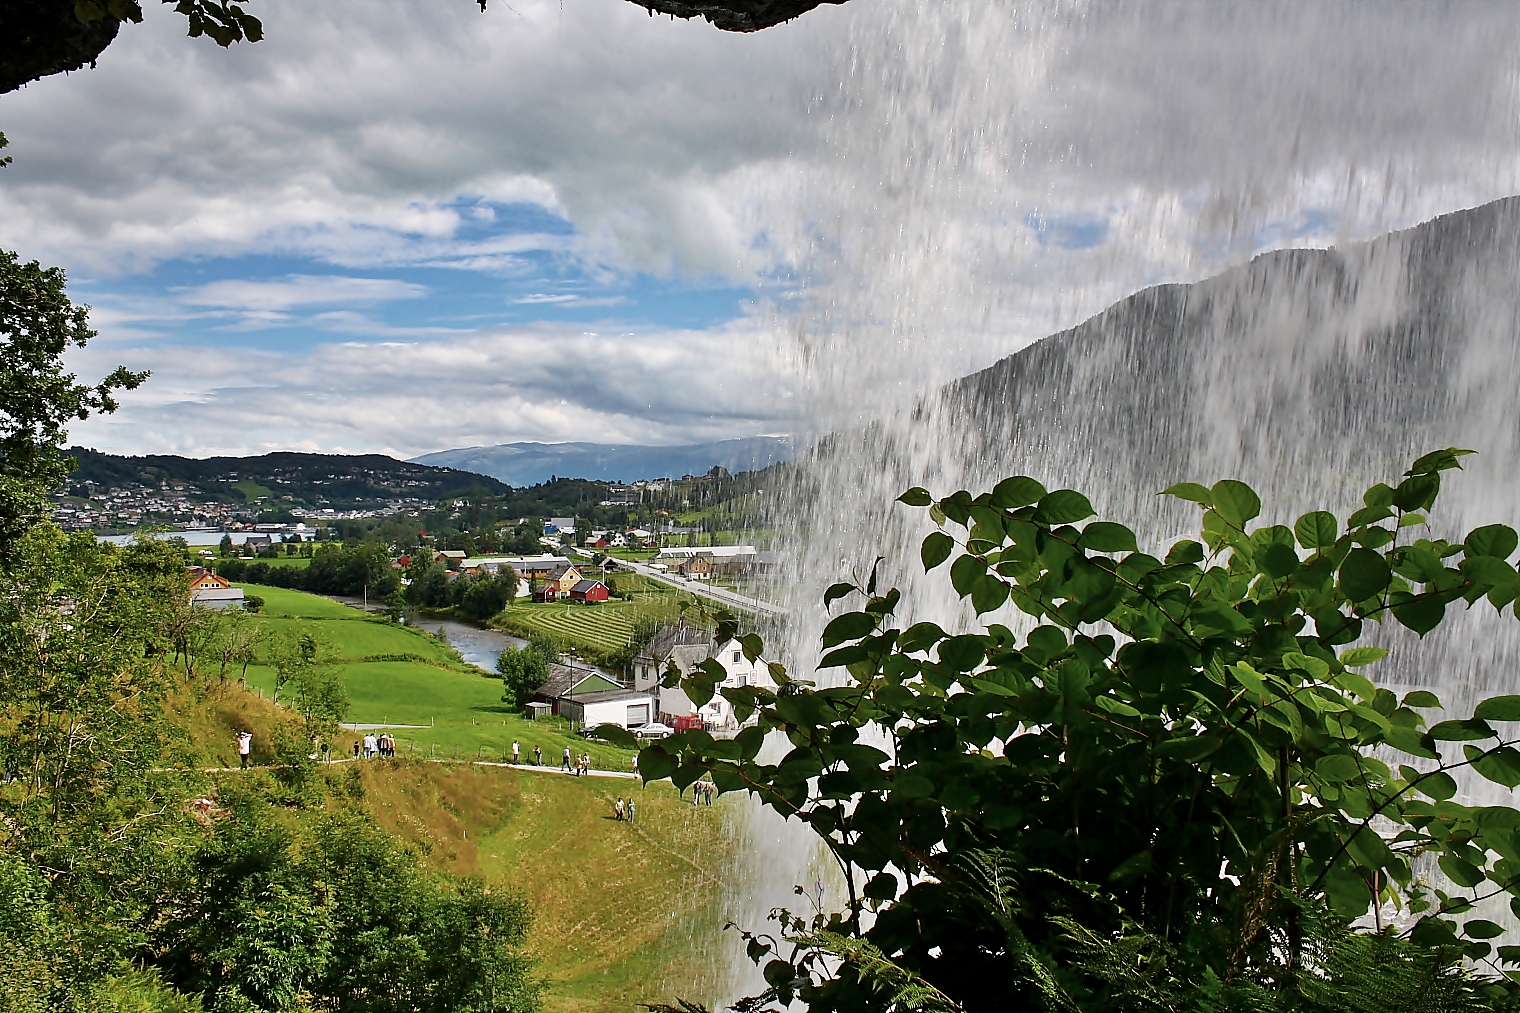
1170, 793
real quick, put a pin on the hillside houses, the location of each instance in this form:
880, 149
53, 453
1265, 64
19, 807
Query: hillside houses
688, 648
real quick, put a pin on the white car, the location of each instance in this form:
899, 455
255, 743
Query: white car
654, 730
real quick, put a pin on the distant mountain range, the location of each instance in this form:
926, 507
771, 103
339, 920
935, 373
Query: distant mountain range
346, 479
522, 464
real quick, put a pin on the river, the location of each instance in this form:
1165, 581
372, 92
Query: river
476, 644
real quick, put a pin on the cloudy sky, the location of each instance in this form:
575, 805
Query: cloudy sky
407, 226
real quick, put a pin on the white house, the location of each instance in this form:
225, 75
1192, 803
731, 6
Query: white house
627, 708
588, 697
688, 648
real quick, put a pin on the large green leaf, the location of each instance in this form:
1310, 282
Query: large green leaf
1364, 574
1420, 612
1235, 501
615, 734
1316, 530
1462, 872
1498, 708
1190, 491
1338, 767
1356, 657
1012, 493
1105, 536
849, 626
1458, 731
1064, 506
936, 549
965, 572
962, 653
1491, 540
1501, 765
1417, 492
988, 594
916, 497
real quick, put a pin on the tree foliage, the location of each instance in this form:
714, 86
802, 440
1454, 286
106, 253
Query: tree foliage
522, 670
1180, 771
338, 917
38, 398
127, 884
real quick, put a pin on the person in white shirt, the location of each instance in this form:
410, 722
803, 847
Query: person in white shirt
369, 745
245, 746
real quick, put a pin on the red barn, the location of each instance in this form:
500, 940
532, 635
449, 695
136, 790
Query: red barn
589, 591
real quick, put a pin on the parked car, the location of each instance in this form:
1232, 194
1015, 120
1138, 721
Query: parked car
654, 730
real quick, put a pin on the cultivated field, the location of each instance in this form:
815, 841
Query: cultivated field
607, 626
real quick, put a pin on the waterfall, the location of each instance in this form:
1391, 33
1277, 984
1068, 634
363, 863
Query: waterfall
1228, 182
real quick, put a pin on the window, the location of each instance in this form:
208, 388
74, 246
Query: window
737, 656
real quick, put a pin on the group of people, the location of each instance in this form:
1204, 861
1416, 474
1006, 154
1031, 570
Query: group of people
625, 810
373, 745
703, 792
578, 765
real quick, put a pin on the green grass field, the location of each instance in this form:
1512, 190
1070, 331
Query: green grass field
605, 626
623, 913
460, 705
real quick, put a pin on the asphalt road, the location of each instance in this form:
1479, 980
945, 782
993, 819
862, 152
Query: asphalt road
722, 596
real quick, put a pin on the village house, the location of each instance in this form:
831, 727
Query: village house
452, 558
557, 583
210, 590
688, 648
722, 559
593, 699
255, 544
696, 567
588, 591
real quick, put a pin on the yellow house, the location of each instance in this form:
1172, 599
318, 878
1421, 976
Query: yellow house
565, 576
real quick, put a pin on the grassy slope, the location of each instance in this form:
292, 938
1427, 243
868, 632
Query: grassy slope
621, 911
461, 704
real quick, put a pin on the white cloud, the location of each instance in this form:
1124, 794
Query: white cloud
299, 290
885, 164
547, 383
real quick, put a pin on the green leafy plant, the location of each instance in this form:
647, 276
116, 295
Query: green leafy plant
1182, 752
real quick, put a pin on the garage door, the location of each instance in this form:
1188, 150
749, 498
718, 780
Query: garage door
638, 714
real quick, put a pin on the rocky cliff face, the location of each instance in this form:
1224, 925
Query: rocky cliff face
735, 15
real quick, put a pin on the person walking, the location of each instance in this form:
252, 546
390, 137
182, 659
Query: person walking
630, 810
245, 746
369, 745
565, 764
538, 756
356, 749
620, 810
515, 758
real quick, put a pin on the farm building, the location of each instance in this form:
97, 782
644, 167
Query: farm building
590, 697
628, 708
589, 591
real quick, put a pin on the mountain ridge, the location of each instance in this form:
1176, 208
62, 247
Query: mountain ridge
520, 464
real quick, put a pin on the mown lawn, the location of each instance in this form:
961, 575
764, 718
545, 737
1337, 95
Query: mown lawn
460, 704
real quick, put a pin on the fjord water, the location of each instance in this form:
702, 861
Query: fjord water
1000, 172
